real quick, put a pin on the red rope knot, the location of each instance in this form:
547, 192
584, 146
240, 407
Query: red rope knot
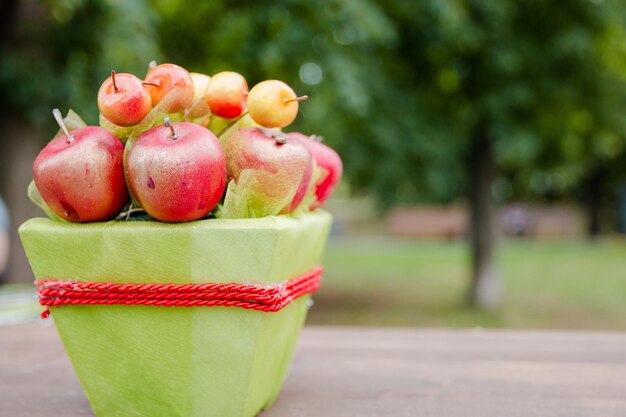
269, 298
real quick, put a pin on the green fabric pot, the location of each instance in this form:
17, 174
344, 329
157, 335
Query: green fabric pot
178, 361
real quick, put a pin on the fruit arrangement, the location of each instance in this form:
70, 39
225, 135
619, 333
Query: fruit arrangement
179, 146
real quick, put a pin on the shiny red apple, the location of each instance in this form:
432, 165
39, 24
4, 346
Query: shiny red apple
326, 158
162, 79
268, 150
123, 99
80, 175
177, 171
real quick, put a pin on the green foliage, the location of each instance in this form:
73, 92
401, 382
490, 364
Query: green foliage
62, 50
346, 57
532, 76
400, 88
406, 85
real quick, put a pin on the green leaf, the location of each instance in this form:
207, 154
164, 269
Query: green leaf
35, 197
257, 193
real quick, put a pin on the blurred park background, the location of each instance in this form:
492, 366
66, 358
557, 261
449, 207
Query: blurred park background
484, 142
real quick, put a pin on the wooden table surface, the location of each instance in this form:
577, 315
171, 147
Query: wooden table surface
363, 372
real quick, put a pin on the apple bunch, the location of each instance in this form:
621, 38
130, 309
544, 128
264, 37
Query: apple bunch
124, 100
176, 144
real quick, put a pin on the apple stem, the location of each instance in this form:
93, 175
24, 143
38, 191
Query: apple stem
279, 138
125, 215
152, 84
59, 118
168, 123
301, 98
113, 79
232, 123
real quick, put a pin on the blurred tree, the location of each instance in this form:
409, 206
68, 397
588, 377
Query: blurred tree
426, 101
432, 100
530, 87
56, 54
349, 58
579, 143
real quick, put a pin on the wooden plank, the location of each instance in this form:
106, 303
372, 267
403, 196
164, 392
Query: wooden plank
350, 372
361, 372
36, 377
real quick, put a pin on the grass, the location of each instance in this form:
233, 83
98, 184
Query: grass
384, 282
549, 284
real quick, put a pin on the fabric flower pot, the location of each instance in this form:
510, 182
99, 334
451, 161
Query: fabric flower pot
171, 360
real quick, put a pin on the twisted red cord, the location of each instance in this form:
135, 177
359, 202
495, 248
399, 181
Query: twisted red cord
256, 297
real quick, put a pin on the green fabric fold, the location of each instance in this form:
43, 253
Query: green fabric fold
178, 361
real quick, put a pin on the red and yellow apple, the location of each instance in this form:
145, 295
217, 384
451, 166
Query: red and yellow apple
200, 83
279, 170
123, 100
226, 94
164, 78
177, 171
273, 103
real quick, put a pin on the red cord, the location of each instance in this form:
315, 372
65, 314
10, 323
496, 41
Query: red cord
268, 298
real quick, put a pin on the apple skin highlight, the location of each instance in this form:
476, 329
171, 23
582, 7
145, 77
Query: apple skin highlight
82, 180
177, 179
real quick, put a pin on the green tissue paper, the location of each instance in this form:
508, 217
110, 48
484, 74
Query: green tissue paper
178, 361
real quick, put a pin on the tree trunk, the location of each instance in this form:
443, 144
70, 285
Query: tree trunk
486, 289
19, 146
8, 13
594, 188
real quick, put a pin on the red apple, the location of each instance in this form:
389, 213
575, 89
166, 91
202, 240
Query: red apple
273, 103
267, 150
162, 79
123, 100
80, 175
327, 159
177, 171
226, 94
